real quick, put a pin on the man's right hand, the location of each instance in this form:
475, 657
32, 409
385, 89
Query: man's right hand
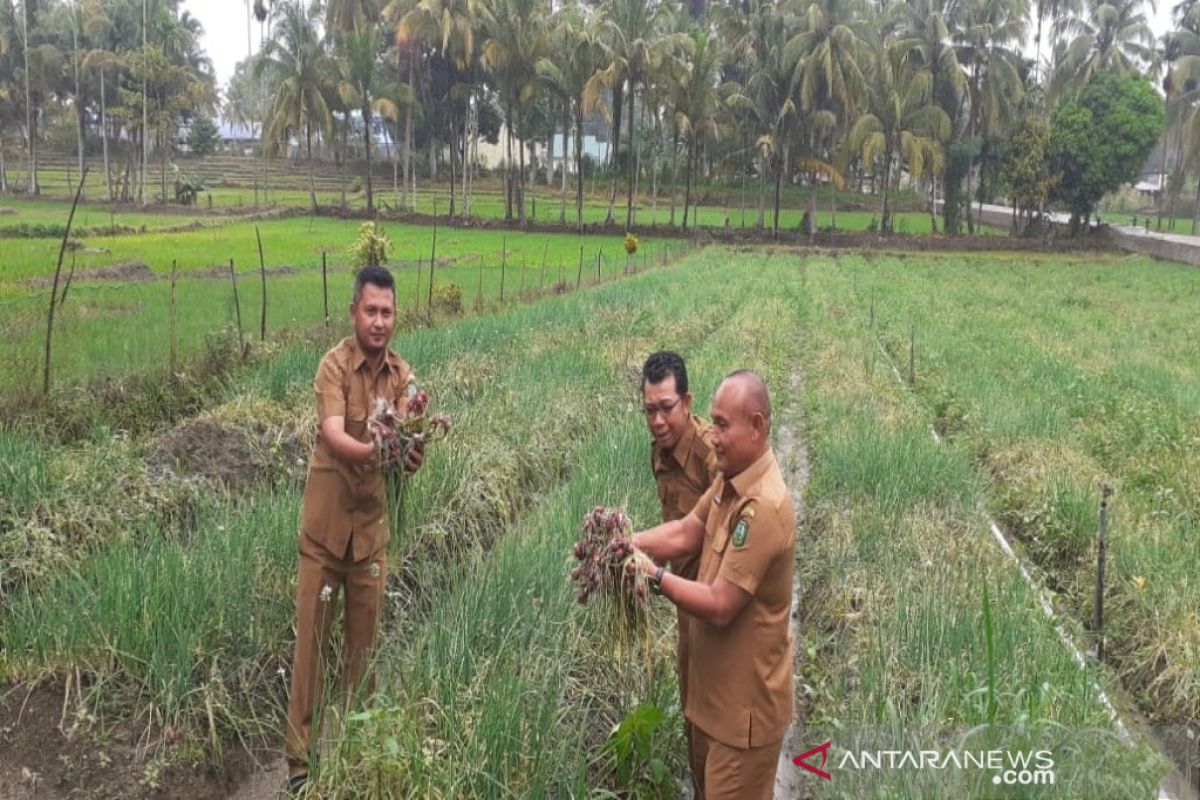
345, 446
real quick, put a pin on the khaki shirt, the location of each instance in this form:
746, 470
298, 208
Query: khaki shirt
741, 675
683, 475
345, 504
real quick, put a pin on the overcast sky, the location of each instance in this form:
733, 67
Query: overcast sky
225, 30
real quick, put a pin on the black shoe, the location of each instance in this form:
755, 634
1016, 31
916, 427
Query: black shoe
296, 783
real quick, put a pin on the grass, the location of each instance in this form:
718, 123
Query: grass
97, 331
1043, 373
1060, 381
718, 206
544, 415
92, 217
925, 630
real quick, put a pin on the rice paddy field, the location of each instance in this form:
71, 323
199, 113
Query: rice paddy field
148, 517
716, 206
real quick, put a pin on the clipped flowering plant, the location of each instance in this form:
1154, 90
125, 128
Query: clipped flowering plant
397, 431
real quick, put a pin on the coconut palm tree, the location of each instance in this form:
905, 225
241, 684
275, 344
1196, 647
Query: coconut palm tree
826, 57
408, 50
1111, 35
987, 46
579, 56
297, 66
755, 36
518, 38
697, 108
450, 29
633, 35
363, 87
902, 128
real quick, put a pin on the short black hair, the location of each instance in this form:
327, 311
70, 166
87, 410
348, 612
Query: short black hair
376, 276
661, 364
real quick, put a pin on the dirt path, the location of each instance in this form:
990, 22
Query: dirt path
792, 455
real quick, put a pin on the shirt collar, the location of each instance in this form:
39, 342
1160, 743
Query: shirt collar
684, 445
745, 480
358, 358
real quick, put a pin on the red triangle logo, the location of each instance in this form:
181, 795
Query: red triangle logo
802, 760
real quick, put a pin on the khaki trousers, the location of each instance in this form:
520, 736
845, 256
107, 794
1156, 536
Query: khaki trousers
732, 773
363, 582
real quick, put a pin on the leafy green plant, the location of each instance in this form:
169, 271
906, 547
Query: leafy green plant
631, 751
448, 298
372, 247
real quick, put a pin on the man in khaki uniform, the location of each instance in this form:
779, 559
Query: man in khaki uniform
684, 465
743, 528
343, 528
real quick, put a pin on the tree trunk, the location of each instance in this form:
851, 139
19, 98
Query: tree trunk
466, 155
779, 173
743, 171
633, 165
886, 223
162, 161
79, 109
578, 167
312, 181
145, 111
127, 180
832, 207
396, 146
932, 204
1196, 208
614, 152
410, 198
432, 160
562, 206
674, 167
521, 218
366, 115
473, 162
104, 135
342, 157
508, 158
687, 180
30, 133
762, 192
453, 153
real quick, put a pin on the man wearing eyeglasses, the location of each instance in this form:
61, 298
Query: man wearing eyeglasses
743, 530
684, 465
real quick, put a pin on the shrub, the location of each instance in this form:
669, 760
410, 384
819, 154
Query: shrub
372, 246
448, 298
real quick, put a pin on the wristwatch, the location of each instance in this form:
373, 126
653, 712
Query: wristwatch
656, 580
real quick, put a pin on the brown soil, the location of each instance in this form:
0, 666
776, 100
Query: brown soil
856, 240
227, 457
222, 273
124, 271
792, 455
92, 758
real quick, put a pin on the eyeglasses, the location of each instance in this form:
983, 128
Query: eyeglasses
664, 408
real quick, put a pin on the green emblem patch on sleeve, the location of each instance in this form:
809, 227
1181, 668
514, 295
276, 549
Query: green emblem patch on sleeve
740, 532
